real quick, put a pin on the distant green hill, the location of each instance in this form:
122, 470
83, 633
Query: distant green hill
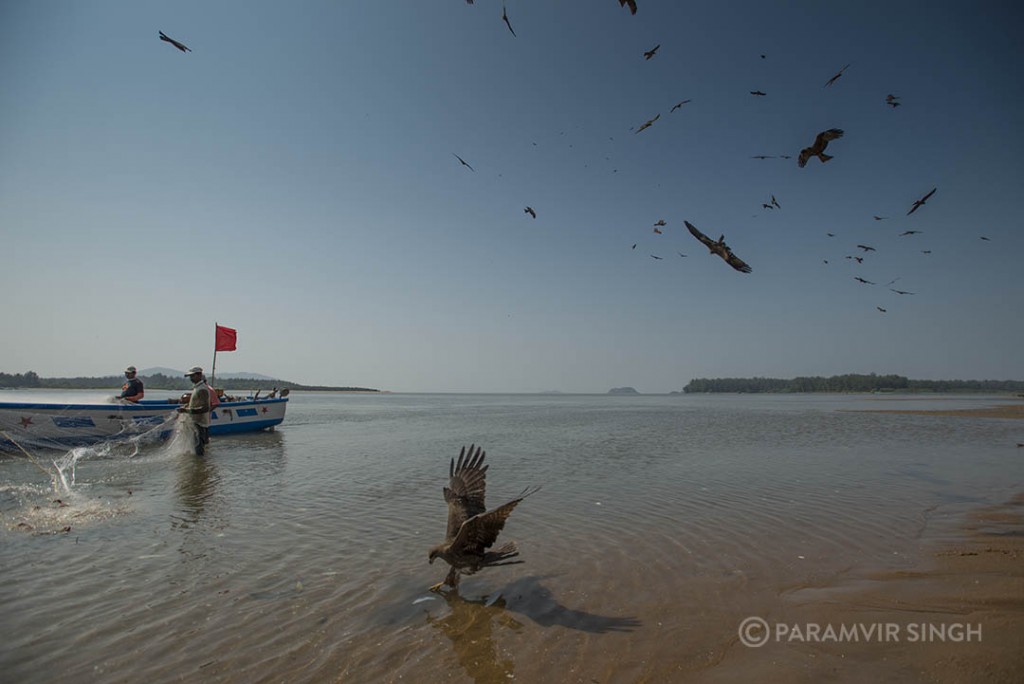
851, 382
162, 382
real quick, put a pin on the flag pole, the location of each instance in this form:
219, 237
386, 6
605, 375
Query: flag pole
213, 371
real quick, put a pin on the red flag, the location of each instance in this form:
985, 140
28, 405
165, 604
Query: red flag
226, 339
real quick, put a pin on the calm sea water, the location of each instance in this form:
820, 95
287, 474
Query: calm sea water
301, 555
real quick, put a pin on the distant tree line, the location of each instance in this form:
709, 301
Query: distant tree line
850, 382
31, 380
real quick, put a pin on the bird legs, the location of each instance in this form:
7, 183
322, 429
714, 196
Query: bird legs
452, 580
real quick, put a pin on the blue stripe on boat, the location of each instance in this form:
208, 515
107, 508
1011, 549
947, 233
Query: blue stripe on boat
73, 421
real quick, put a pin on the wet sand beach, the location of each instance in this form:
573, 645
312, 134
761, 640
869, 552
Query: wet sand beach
956, 616
1008, 411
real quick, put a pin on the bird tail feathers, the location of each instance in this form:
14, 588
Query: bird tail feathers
501, 555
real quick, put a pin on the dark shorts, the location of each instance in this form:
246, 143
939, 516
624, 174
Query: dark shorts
202, 439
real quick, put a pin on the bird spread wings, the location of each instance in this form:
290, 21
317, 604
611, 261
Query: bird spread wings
167, 39
471, 527
818, 148
918, 203
630, 3
480, 531
467, 486
647, 124
720, 248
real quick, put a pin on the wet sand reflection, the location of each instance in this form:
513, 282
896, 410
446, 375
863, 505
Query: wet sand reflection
474, 624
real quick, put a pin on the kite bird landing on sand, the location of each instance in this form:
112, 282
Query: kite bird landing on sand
472, 529
818, 148
181, 46
720, 248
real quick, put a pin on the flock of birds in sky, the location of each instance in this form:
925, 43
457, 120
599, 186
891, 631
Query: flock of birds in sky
816, 149
719, 247
472, 529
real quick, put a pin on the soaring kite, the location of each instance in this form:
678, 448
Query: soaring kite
167, 39
818, 148
472, 529
720, 248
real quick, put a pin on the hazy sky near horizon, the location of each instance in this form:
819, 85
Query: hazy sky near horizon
294, 177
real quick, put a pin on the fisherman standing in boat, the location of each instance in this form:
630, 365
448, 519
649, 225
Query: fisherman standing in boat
198, 408
132, 389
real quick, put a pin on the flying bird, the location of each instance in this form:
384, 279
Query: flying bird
880, 309
180, 46
758, 93
504, 18
463, 162
630, 3
900, 292
647, 124
530, 211
880, 218
765, 205
762, 156
920, 202
985, 238
720, 248
836, 77
926, 251
776, 203
867, 249
660, 222
830, 234
909, 232
892, 101
656, 257
658, 231
678, 105
472, 529
681, 254
861, 280
650, 53
818, 148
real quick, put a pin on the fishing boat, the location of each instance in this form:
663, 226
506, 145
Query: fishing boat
57, 425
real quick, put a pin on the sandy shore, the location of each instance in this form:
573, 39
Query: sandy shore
1008, 411
957, 617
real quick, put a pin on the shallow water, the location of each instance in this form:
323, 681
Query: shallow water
300, 555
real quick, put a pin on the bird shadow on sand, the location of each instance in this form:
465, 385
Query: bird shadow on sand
530, 598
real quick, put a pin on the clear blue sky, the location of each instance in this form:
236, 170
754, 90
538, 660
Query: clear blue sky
294, 177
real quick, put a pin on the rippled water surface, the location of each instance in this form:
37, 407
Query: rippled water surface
301, 555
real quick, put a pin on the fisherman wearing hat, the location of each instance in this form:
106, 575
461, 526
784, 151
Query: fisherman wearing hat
199, 407
131, 390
